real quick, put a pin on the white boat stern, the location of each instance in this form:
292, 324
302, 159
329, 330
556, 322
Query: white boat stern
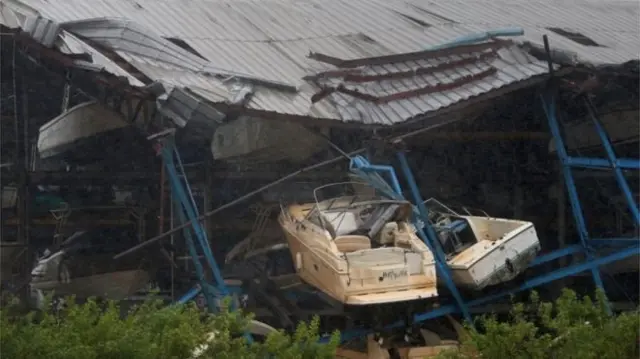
491, 262
393, 296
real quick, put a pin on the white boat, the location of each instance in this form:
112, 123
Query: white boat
113, 285
256, 140
363, 250
76, 125
83, 266
360, 250
483, 251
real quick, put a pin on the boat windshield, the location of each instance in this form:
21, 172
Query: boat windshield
361, 213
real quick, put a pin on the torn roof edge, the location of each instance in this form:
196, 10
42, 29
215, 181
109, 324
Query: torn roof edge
435, 116
41, 31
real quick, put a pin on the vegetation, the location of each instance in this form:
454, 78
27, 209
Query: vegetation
570, 328
152, 330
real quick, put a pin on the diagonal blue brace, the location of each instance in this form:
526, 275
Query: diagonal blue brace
371, 174
431, 237
187, 211
205, 288
190, 295
549, 107
611, 156
185, 205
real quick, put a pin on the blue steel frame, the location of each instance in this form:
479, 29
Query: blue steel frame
625, 247
567, 163
186, 209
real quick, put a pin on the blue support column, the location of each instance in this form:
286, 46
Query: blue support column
187, 211
549, 106
613, 163
204, 287
430, 238
566, 251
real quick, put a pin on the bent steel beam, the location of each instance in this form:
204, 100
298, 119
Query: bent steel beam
549, 106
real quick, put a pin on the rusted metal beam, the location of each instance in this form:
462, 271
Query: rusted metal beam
421, 70
357, 94
331, 74
405, 94
438, 88
410, 56
322, 94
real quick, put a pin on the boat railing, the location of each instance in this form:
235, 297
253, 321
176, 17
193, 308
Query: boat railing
317, 208
322, 206
477, 212
469, 211
447, 208
285, 212
333, 199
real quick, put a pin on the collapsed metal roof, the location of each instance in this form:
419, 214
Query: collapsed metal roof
206, 51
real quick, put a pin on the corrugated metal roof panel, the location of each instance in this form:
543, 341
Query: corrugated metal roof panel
272, 38
215, 91
70, 44
512, 65
613, 24
261, 59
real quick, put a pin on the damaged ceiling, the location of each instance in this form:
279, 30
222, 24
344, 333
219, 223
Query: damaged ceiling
201, 53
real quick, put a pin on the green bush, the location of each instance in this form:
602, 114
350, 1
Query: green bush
152, 330
570, 328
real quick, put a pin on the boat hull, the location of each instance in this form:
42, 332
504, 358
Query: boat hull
114, 285
254, 140
75, 126
499, 255
359, 276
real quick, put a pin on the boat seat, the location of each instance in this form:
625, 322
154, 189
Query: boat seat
341, 223
352, 243
456, 226
449, 235
376, 221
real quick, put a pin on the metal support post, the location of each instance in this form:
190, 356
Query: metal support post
430, 237
611, 156
186, 210
549, 106
209, 294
